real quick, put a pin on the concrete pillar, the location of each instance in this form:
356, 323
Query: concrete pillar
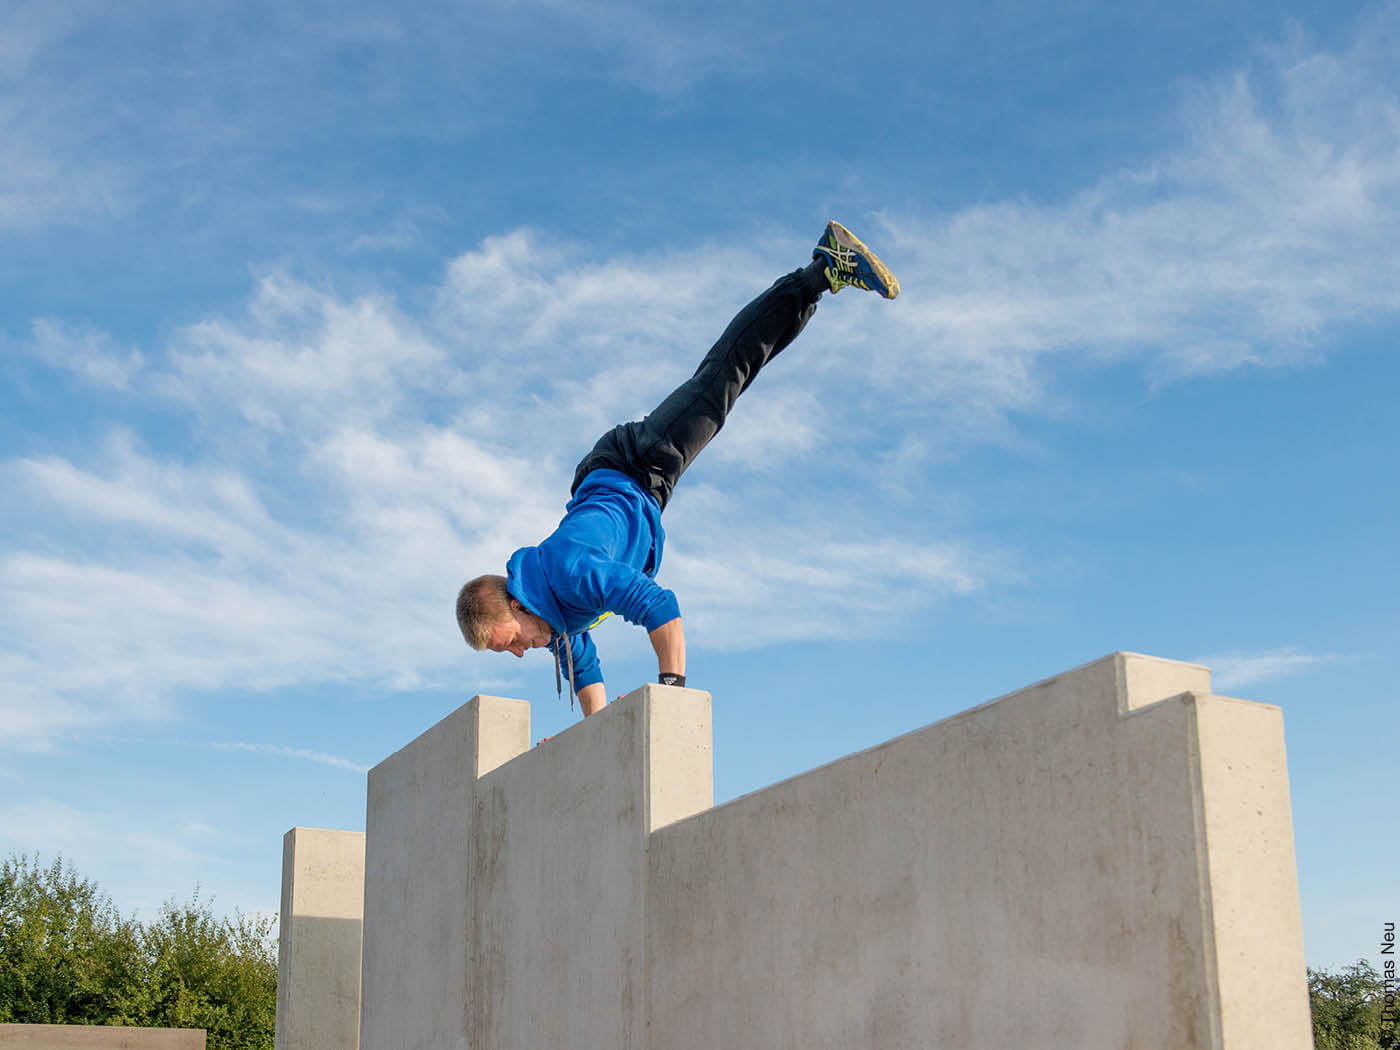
559, 880
318, 952
505, 884
418, 867
1252, 879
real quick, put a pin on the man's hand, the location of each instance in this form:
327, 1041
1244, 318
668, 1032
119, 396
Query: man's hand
669, 642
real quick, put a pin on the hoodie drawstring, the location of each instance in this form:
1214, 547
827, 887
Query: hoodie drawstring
558, 684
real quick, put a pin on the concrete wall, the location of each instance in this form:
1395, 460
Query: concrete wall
1103, 859
98, 1037
559, 879
318, 951
503, 905
419, 857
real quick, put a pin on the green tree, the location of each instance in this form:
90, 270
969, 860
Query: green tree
67, 957
63, 947
1346, 1008
213, 973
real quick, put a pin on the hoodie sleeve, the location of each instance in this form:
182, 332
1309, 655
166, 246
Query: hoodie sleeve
633, 595
585, 653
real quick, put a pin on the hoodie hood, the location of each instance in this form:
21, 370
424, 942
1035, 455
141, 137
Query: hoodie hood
527, 583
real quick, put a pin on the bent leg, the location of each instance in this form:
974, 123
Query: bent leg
657, 450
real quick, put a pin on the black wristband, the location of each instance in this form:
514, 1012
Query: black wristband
667, 678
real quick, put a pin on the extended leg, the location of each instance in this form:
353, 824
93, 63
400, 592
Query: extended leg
657, 450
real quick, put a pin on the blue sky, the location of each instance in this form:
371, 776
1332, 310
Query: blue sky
307, 311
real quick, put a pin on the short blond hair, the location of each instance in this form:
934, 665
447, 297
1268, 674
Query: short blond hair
481, 604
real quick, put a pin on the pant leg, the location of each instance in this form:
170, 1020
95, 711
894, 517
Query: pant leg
656, 450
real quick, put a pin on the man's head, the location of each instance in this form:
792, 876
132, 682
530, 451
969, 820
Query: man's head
491, 619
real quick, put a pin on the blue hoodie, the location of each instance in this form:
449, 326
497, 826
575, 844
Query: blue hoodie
602, 558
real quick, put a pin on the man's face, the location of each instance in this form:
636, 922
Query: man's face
523, 630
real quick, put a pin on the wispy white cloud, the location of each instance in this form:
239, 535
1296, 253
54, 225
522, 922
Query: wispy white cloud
302, 358
71, 830
33, 710
31, 26
96, 132
752, 571
352, 459
138, 859
86, 352
1272, 221
302, 753
1235, 670
663, 49
42, 182
222, 570
401, 233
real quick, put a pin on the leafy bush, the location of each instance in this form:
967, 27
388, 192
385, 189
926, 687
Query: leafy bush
1346, 1009
68, 957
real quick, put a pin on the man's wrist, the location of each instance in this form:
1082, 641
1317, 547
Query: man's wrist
667, 678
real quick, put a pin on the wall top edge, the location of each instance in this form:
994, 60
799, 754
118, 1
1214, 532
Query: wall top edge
1154, 659
1219, 698
552, 744
322, 831
1108, 664
464, 711
1114, 657
493, 699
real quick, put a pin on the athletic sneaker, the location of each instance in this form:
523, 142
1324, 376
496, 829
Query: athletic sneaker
849, 262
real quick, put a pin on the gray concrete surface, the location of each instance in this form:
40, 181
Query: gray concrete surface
1247, 827
1100, 860
418, 863
504, 883
559, 876
98, 1037
318, 950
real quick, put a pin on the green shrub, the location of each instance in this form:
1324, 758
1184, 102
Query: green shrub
67, 957
1346, 1009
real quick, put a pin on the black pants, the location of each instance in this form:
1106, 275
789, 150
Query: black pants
656, 450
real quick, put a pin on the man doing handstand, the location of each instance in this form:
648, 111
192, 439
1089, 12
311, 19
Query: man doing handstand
604, 555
